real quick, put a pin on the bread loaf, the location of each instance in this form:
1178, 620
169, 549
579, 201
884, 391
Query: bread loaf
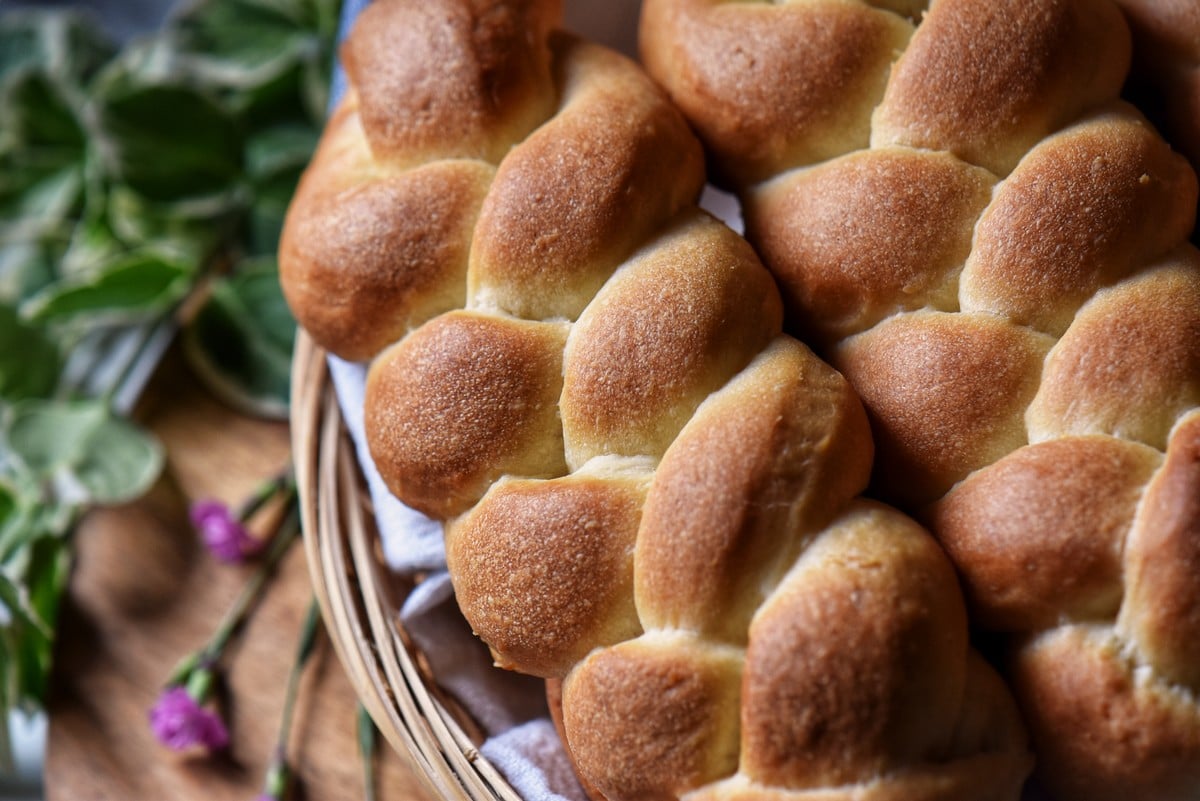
1165, 79
649, 491
991, 246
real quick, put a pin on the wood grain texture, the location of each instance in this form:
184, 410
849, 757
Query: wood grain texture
145, 592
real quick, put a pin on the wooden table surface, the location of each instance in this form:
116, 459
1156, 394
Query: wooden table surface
145, 592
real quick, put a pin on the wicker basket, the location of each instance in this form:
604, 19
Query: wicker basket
359, 599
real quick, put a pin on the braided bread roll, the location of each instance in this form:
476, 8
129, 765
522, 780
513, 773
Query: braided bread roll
1165, 79
649, 491
991, 247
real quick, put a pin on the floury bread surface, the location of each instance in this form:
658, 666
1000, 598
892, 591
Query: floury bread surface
650, 492
1166, 69
991, 246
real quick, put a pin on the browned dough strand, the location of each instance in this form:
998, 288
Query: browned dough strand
995, 256
649, 492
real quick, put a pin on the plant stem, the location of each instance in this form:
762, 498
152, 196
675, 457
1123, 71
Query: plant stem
237, 613
366, 748
285, 480
308, 637
200, 683
279, 773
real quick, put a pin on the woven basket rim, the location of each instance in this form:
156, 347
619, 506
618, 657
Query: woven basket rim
356, 593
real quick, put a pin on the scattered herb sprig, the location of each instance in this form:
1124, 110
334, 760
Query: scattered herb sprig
137, 183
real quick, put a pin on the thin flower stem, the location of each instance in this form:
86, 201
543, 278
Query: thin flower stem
284, 536
200, 683
285, 480
279, 772
367, 744
184, 669
308, 637
237, 613
279, 776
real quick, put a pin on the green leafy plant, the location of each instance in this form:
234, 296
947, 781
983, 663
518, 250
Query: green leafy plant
142, 190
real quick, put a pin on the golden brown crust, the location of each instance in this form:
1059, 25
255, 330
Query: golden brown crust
1161, 614
1084, 209
772, 87
683, 695
1129, 365
364, 265
979, 778
446, 79
1165, 80
543, 570
554, 690
622, 155
1061, 311
674, 324
862, 237
987, 373
983, 759
990, 724
762, 466
1170, 28
857, 662
848, 668
1101, 727
989, 105
463, 400
1040, 534
605, 315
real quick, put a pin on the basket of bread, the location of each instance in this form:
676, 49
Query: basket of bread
895, 498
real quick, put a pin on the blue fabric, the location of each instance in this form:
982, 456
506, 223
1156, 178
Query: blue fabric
350, 11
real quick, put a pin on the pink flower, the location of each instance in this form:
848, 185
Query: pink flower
179, 722
223, 534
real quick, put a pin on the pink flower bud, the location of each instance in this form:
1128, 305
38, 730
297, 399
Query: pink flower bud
223, 534
179, 722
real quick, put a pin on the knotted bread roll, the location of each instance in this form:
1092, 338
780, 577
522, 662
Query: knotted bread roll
991, 246
1165, 79
650, 492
